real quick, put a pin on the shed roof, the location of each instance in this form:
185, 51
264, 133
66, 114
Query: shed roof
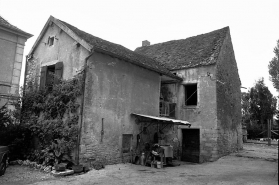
164, 119
6, 24
186, 53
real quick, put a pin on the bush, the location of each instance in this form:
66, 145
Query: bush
14, 134
52, 117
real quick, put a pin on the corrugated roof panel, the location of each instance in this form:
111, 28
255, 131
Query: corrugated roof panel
175, 121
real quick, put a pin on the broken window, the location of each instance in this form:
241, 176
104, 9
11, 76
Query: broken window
50, 75
191, 95
50, 41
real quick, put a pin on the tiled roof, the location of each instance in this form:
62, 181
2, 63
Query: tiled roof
190, 52
5, 23
120, 51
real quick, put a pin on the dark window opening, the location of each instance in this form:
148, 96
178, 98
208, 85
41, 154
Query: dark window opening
50, 77
50, 41
191, 95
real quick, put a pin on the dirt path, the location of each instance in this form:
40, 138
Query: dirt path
256, 164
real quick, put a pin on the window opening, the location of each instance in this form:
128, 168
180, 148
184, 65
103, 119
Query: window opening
50, 77
50, 41
191, 95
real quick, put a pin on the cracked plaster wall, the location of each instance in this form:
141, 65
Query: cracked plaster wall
114, 90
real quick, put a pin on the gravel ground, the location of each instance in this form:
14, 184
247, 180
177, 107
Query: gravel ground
259, 151
256, 164
19, 175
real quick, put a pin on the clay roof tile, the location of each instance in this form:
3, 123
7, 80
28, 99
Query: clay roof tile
190, 52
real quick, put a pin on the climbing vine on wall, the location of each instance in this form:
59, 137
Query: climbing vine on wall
52, 116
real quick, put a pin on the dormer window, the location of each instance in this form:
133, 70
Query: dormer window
50, 41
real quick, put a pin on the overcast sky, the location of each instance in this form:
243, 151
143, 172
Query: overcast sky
254, 24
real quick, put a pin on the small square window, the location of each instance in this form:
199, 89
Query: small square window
50, 41
191, 94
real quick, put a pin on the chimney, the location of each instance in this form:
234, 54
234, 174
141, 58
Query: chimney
145, 43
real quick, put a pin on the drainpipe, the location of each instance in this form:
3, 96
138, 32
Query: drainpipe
82, 107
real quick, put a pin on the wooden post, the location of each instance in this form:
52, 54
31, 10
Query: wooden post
269, 132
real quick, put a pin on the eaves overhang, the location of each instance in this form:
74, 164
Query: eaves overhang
16, 32
92, 48
177, 78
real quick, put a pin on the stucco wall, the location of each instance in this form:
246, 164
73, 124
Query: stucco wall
114, 90
64, 49
228, 100
11, 55
204, 115
218, 113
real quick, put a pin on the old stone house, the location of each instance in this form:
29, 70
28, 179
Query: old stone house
12, 40
118, 84
127, 93
209, 95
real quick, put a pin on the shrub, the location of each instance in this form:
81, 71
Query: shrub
14, 134
51, 116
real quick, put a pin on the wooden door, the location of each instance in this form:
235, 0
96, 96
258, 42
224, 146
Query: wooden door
191, 145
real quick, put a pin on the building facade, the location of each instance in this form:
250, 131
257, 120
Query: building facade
209, 95
132, 101
118, 83
12, 41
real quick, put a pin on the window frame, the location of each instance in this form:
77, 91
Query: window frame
185, 95
50, 41
45, 68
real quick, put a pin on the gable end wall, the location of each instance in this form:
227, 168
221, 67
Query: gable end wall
228, 101
65, 50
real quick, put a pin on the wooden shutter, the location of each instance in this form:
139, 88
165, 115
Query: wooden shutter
43, 77
58, 72
172, 110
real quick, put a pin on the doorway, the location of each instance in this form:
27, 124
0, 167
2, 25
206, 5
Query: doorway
190, 145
